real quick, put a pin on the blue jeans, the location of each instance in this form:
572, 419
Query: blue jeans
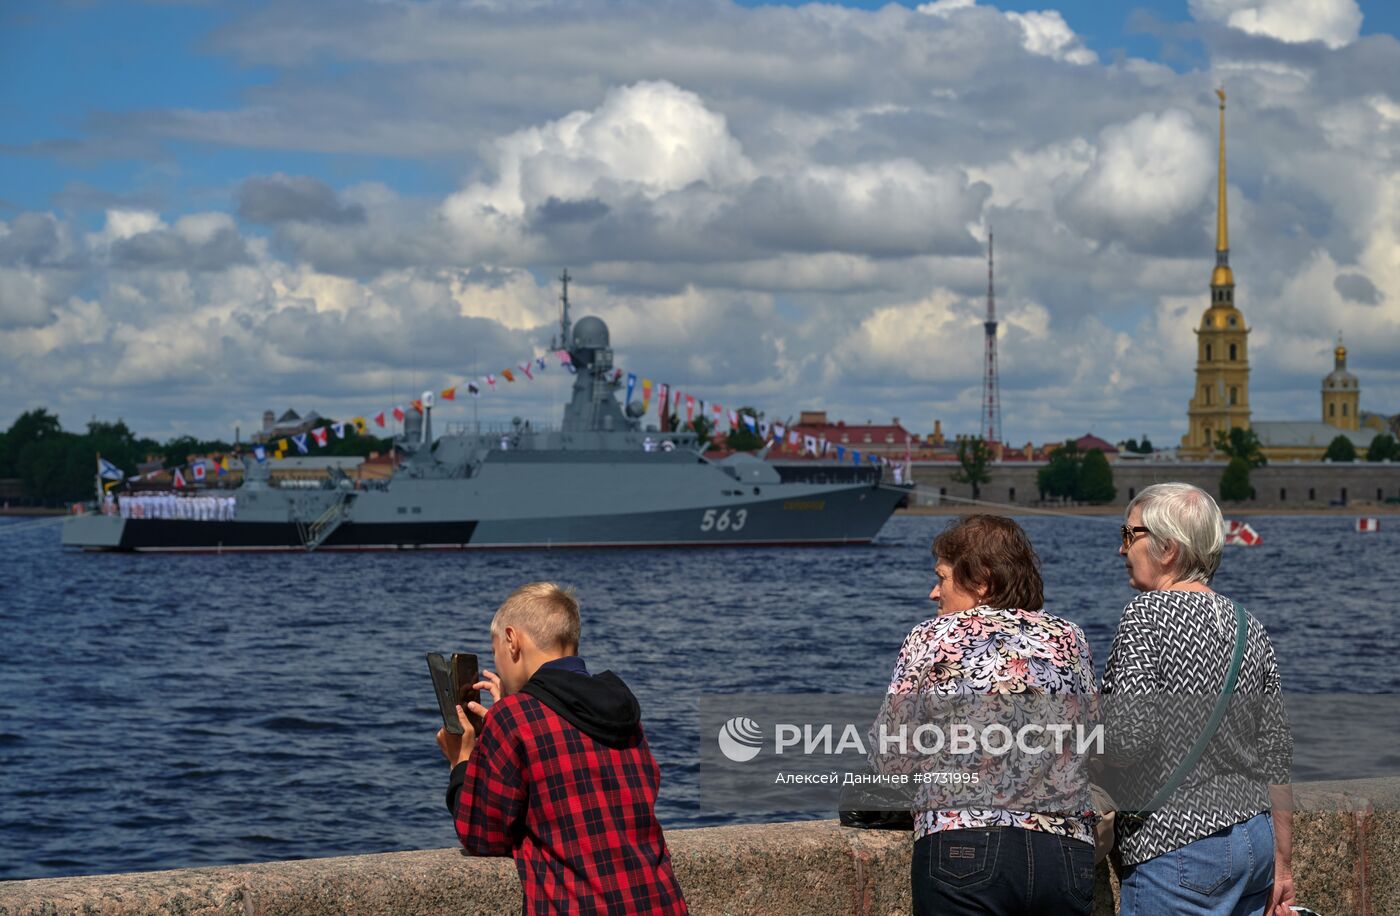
1002, 870
1229, 873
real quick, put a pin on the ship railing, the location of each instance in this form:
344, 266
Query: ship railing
498, 428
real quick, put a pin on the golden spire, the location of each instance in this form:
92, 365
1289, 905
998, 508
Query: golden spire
1222, 228
1341, 352
1222, 276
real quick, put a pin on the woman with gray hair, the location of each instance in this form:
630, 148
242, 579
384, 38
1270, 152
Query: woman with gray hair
1216, 835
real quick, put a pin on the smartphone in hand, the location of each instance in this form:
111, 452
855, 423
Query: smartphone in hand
452, 683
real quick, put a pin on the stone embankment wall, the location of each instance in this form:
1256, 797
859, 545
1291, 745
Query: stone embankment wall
1293, 485
1346, 858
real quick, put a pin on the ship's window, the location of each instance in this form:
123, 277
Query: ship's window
403, 510
1234, 352
1344, 494
942, 491
417, 510
1132, 492
1011, 495
1312, 494
756, 491
1234, 396
1380, 494
1282, 495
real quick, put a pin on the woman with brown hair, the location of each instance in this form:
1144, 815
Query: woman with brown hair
992, 637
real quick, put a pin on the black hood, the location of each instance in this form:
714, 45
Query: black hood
599, 705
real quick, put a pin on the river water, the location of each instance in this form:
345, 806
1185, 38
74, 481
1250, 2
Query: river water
168, 711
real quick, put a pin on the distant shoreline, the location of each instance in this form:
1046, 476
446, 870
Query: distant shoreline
1353, 511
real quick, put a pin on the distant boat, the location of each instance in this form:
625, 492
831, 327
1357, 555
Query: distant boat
599, 480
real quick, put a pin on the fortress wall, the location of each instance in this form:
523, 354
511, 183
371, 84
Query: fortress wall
1289, 485
1346, 858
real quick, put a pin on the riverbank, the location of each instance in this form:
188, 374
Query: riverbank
1346, 858
31, 511
1230, 510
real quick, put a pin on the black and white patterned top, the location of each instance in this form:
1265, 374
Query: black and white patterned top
1173, 650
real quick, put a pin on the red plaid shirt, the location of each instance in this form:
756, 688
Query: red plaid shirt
578, 816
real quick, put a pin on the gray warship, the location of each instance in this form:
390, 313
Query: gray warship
600, 479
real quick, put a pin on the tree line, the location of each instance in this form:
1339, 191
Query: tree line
55, 465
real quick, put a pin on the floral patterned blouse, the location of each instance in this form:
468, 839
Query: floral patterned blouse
1016, 655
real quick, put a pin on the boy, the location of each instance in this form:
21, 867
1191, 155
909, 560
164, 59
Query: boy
557, 772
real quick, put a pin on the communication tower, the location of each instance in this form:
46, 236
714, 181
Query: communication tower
991, 401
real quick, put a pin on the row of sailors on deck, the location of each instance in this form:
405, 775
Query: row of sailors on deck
169, 505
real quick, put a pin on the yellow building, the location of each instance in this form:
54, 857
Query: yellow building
1220, 401
1341, 394
1306, 440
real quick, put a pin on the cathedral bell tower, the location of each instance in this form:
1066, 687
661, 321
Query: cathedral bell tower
1220, 401
1341, 394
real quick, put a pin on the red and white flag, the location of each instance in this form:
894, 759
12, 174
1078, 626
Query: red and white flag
1240, 534
379, 418
398, 414
689, 408
320, 434
525, 368
179, 480
1368, 525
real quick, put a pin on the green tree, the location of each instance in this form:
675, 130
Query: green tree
1060, 477
1234, 483
1131, 446
1383, 447
1145, 446
703, 430
33, 425
1340, 449
1096, 478
973, 458
740, 438
1241, 443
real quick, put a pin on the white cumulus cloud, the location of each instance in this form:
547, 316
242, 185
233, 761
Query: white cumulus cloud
1336, 23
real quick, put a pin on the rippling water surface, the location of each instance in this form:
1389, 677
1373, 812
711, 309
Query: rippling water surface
166, 711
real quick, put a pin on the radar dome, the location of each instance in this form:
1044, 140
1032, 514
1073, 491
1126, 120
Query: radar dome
590, 334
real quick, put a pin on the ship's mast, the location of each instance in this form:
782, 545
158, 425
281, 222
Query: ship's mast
564, 326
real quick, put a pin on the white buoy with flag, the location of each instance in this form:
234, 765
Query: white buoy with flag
1368, 525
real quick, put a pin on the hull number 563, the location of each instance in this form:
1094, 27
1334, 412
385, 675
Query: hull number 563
715, 520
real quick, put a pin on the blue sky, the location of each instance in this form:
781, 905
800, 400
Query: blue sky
794, 214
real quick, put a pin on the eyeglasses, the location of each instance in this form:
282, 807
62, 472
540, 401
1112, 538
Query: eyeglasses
1130, 534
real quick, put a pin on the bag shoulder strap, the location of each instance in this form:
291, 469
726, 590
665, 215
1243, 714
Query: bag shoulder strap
1213, 724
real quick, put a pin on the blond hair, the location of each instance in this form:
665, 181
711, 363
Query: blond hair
545, 612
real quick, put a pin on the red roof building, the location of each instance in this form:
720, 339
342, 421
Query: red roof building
889, 439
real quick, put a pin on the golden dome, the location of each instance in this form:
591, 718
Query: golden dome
1222, 276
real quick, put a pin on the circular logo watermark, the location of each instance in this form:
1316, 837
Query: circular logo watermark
740, 739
